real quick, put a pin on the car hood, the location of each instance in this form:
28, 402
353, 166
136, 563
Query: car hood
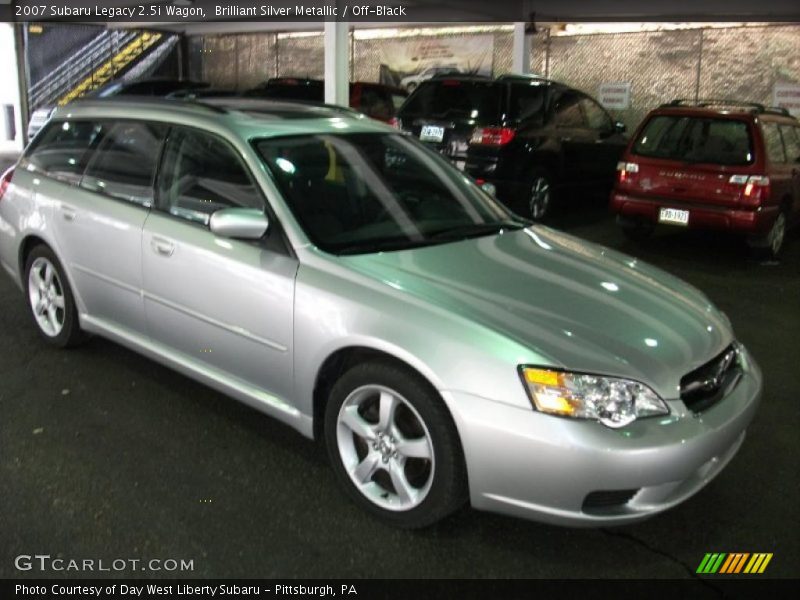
574, 304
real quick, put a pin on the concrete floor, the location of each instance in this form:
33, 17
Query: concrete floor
104, 454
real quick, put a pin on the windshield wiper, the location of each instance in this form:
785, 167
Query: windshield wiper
380, 245
475, 230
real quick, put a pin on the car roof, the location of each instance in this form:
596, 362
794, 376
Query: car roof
724, 108
246, 117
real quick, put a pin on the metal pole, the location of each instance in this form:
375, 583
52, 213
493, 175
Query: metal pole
699, 66
23, 76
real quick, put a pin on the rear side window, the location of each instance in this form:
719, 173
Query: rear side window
201, 175
527, 102
568, 111
397, 100
63, 150
445, 98
773, 143
693, 139
597, 118
376, 104
791, 140
125, 162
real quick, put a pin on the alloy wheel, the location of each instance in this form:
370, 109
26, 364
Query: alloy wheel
540, 198
46, 294
776, 234
385, 448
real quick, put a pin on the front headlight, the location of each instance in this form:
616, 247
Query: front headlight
612, 401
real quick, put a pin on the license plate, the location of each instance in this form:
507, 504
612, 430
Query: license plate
431, 133
673, 215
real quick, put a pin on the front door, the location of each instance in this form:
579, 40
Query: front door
223, 303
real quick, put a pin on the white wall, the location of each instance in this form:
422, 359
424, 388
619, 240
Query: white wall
9, 88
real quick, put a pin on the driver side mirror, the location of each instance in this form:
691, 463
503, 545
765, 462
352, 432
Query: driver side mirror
240, 223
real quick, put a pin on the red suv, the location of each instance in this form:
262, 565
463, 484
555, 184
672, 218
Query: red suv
712, 165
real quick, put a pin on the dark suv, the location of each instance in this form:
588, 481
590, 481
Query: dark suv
712, 164
375, 100
529, 137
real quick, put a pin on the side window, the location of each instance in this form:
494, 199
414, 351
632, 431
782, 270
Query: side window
791, 139
125, 162
200, 175
527, 103
596, 117
63, 150
773, 143
568, 111
374, 103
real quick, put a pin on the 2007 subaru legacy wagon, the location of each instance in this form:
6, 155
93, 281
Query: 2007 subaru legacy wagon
353, 284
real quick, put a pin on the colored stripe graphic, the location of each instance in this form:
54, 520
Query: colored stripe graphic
758, 563
711, 563
734, 562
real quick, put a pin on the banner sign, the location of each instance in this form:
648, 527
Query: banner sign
615, 95
408, 62
787, 95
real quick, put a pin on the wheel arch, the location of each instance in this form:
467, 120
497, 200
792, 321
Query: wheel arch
30, 242
339, 362
25, 248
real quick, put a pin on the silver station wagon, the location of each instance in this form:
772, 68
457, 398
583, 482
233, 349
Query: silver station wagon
334, 273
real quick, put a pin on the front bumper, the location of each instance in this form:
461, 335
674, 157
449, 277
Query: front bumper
530, 465
701, 216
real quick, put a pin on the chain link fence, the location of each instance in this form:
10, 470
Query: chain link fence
740, 63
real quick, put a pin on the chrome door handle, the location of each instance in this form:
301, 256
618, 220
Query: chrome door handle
68, 213
162, 246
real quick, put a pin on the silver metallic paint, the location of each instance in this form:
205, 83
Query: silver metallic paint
258, 326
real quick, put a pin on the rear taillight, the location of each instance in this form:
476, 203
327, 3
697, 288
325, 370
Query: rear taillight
395, 122
756, 188
626, 171
492, 136
5, 181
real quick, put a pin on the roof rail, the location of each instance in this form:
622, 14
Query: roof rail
528, 76
152, 101
707, 102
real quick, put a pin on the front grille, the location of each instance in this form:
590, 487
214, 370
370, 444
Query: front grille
607, 499
708, 384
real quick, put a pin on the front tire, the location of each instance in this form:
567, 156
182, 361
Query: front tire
50, 299
393, 445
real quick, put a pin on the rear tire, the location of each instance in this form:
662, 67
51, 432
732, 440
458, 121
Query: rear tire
539, 195
50, 299
771, 244
393, 445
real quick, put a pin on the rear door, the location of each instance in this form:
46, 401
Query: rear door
573, 137
607, 143
443, 113
224, 303
780, 171
98, 222
791, 142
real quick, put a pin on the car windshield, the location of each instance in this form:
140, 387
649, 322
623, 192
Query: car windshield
697, 140
371, 192
454, 98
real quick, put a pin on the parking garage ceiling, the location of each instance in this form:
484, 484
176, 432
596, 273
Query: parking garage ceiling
481, 11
